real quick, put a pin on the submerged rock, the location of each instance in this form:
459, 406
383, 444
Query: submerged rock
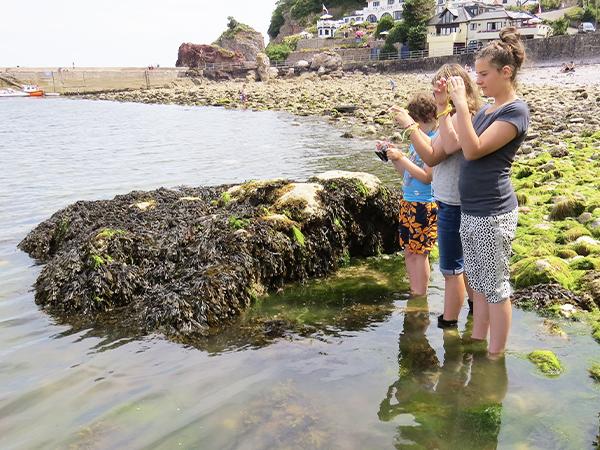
547, 362
185, 261
546, 297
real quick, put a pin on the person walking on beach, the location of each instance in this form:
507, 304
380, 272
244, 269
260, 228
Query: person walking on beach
490, 141
418, 211
444, 154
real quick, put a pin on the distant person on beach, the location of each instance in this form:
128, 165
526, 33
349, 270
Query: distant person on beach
489, 215
568, 67
418, 211
243, 96
392, 85
444, 154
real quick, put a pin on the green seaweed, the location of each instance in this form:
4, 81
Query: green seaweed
237, 224
547, 362
298, 235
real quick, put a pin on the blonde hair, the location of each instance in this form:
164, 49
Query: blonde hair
456, 70
506, 51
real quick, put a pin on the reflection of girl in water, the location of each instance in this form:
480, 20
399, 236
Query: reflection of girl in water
456, 404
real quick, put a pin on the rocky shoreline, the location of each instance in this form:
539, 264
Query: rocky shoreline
555, 174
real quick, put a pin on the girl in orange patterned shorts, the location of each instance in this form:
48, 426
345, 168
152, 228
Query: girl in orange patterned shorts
418, 210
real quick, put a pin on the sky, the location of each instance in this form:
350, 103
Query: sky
117, 33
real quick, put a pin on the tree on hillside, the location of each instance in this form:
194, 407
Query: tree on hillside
385, 23
304, 11
416, 14
398, 34
417, 37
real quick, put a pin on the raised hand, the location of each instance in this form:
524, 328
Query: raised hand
440, 93
457, 90
401, 116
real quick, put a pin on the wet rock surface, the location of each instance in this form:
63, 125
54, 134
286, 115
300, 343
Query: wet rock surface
545, 296
199, 55
186, 261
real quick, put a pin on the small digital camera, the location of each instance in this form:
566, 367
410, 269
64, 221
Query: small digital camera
381, 151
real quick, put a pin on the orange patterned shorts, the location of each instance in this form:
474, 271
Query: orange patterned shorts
418, 226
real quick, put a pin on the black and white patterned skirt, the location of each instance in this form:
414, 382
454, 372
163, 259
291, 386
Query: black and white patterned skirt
487, 250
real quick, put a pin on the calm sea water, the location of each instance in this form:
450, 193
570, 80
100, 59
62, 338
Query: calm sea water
343, 363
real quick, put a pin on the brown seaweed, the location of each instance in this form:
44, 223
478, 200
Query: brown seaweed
187, 260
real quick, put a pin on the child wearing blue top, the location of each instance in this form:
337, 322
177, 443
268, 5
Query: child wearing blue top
418, 210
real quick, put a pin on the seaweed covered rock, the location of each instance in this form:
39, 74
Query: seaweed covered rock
547, 270
547, 362
184, 261
548, 297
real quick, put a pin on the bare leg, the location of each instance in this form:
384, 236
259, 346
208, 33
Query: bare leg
418, 270
500, 317
481, 316
454, 296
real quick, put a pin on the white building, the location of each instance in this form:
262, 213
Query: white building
453, 4
326, 28
376, 9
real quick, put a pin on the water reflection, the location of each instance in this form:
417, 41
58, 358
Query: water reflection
454, 404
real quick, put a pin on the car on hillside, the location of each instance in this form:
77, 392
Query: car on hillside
587, 27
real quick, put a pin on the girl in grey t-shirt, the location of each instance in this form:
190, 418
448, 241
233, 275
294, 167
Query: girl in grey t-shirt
489, 208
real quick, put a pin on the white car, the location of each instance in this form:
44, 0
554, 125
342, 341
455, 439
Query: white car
587, 27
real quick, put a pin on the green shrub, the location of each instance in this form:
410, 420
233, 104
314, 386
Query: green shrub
278, 52
385, 23
560, 26
291, 41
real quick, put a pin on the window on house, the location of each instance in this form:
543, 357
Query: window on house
326, 32
397, 15
375, 4
473, 26
372, 18
391, 2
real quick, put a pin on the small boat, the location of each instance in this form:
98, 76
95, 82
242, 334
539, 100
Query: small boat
32, 90
12, 93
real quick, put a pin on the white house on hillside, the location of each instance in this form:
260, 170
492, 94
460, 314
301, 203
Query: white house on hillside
376, 9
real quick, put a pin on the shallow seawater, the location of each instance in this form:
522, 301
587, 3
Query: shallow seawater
344, 362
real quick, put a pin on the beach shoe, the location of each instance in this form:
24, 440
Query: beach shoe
443, 323
470, 306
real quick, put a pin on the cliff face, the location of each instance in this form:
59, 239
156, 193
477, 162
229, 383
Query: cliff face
239, 43
194, 55
244, 40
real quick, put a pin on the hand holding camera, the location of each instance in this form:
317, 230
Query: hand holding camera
381, 148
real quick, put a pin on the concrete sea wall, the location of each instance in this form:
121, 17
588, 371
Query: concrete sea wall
80, 80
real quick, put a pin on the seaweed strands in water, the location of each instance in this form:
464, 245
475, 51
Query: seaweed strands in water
186, 261
545, 296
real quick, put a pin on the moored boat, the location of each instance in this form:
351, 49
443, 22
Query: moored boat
12, 93
33, 90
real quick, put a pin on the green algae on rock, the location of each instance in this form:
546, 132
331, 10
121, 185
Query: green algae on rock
594, 372
547, 362
183, 267
546, 270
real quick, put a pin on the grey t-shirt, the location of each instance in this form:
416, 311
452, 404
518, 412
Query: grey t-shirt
445, 179
485, 187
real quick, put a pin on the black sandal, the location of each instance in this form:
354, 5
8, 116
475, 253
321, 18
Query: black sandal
470, 302
443, 323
